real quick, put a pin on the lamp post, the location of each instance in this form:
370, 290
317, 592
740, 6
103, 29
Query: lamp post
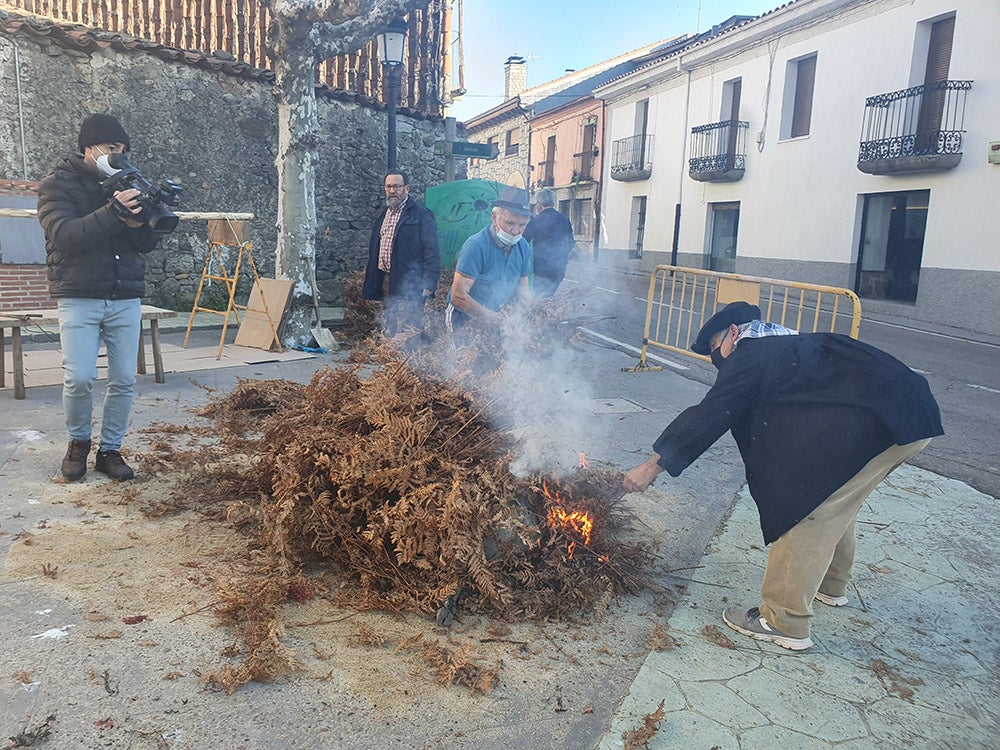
391, 45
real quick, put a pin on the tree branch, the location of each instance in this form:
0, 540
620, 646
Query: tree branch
332, 39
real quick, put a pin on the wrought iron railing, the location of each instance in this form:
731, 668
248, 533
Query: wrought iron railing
925, 120
632, 158
719, 148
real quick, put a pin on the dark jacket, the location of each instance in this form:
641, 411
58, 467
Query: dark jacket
807, 412
416, 259
551, 238
89, 252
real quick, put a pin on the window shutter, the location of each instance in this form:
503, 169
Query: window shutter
939, 51
802, 110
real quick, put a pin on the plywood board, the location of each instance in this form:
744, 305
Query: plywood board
255, 327
737, 290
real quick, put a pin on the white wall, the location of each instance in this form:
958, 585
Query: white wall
799, 197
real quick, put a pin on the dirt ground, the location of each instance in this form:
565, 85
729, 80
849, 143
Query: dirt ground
145, 590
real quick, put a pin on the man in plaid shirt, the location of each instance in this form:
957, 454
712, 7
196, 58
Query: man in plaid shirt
404, 261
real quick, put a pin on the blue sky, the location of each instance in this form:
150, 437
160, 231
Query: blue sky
558, 34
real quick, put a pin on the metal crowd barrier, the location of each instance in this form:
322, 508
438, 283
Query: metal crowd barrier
681, 300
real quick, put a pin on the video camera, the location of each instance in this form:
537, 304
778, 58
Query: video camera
160, 219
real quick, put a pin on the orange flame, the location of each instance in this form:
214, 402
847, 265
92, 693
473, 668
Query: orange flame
577, 521
583, 461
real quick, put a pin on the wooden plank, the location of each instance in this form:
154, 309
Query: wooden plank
260, 326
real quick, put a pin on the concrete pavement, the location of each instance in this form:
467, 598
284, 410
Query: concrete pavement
912, 661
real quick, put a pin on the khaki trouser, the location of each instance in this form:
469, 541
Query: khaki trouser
817, 553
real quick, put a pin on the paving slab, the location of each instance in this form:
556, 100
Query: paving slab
912, 661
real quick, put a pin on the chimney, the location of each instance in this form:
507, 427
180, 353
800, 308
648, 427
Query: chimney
515, 79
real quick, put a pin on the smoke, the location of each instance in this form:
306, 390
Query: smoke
545, 396
530, 376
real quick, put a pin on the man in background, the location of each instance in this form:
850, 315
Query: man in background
551, 238
94, 249
404, 261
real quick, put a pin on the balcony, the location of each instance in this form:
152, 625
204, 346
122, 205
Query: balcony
546, 173
632, 158
718, 151
583, 166
918, 129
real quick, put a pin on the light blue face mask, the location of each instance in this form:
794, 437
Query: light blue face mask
507, 239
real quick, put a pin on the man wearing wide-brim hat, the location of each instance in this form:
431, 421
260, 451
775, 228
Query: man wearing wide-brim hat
493, 266
820, 420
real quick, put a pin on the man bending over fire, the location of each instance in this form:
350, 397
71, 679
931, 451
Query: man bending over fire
820, 420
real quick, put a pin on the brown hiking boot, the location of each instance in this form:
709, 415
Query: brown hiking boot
112, 464
74, 463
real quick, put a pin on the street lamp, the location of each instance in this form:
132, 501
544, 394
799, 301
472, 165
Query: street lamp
391, 45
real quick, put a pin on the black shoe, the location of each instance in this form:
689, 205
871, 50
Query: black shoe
112, 464
74, 463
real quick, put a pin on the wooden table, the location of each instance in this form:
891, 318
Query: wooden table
16, 319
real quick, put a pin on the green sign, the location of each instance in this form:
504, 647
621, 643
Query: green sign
476, 150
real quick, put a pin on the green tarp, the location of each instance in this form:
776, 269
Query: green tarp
461, 209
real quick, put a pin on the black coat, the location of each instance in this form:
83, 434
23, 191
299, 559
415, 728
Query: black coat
89, 252
416, 258
551, 238
807, 412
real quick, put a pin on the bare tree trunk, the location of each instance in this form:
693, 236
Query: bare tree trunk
298, 131
303, 33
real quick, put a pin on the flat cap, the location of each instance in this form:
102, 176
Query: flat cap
736, 313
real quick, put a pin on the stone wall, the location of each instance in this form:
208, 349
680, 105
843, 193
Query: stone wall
214, 133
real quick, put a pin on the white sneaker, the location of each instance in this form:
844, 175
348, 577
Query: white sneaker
831, 601
749, 622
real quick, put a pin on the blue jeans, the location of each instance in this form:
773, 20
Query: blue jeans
83, 324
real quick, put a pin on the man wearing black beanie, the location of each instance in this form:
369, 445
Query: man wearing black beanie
96, 274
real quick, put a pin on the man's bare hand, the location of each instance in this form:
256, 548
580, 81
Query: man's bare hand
639, 478
130, 200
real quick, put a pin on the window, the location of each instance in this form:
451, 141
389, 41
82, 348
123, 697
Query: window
513, 143
586, 169
800, 78
724, 227
547, 176
641, 117
729, 137
637, 226
731, 92
892, 245
581, 219
932, 102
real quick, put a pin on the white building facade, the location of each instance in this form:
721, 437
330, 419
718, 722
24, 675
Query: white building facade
841, 142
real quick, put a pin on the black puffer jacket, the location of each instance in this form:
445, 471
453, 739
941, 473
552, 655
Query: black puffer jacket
89, 252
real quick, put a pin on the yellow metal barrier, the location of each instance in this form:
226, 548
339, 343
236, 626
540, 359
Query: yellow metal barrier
681, 300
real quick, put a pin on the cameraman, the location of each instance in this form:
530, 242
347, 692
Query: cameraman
96, 273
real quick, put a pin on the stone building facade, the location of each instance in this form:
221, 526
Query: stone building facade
209, 124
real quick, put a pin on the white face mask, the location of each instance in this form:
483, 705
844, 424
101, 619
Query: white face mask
507, 239
103, 165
